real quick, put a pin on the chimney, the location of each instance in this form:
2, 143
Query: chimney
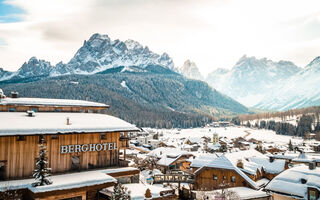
87, 98
271, 159
240, 164
68, 121
14, 94
30, 113
312, 165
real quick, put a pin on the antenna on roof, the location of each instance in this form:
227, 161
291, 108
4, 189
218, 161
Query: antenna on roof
68, 121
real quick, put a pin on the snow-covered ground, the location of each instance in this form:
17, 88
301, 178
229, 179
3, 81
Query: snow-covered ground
266, 136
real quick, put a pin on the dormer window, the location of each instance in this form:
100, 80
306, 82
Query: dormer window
303, 181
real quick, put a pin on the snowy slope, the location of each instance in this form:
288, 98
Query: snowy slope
300, 90
5, 75
251, 79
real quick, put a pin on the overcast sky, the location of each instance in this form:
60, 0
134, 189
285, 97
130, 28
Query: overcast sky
212, 33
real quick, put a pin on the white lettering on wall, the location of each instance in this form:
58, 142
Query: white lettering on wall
64, 149
87, 147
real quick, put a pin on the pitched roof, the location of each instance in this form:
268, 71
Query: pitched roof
18, 123
221, 163
275, 167
289, 182
49, 102
61, 182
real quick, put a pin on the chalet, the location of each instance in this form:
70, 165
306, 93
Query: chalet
194, 141
299, 182
171, 159
256, 165
83, 148
212, 173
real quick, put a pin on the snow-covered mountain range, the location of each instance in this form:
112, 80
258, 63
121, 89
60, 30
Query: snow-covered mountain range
265, 84
98, 54
260, 83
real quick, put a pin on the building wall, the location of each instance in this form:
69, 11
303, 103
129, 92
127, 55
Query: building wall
47, 108
281, 197
204, 179
19, 157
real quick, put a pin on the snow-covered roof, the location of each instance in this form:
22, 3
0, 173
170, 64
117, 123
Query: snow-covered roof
275, 167
17, 123
138, 190
194, 140
61, 182
49, 102
288, 156
164, 151
262, 182
246, 154
242, 192
303, 158
289, 182
220, 162
169, 159
118, 170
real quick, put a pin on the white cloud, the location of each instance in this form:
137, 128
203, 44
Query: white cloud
212, 33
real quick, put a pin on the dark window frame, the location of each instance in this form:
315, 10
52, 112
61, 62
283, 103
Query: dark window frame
21, 138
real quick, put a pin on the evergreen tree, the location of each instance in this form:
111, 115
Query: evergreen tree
290, 146
120, 192
236, 121
148, 194
41, 173
248, 124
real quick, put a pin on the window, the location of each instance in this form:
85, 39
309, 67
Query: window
54, 137
312, 195
41, 138
233, 179
75, 163
2, 171
34, 109
21, 138
12, 109
215, 177
103, 136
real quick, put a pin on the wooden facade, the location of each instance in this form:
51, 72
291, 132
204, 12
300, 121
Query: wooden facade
52, 108
209, 178
18, 154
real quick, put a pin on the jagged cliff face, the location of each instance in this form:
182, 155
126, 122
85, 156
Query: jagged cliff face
34, 67
190, 70
98, 54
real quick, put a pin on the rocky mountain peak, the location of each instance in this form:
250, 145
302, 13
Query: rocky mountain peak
34, 67
132, 45
190, 70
